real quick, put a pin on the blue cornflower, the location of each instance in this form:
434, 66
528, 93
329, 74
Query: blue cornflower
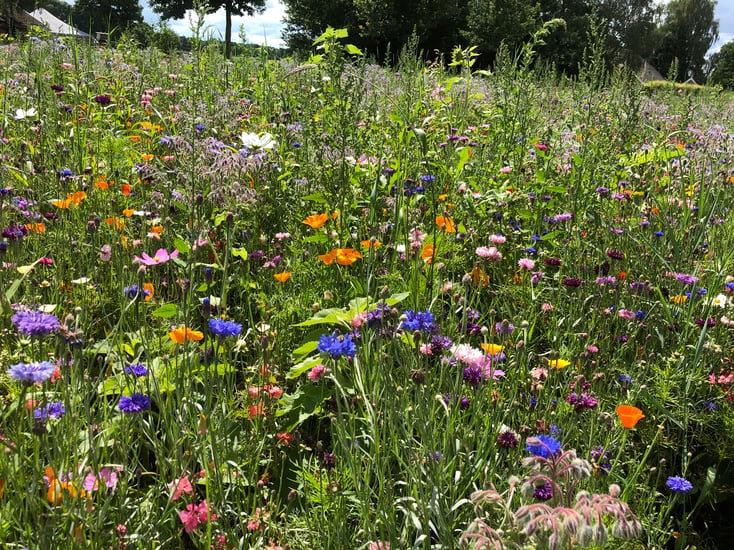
35, 323
336, 345
136, 369
678, 484
134, 403
418, 320
32, 373
220, 327
658, 233
55, 409
543, 445
625, 379
135, 291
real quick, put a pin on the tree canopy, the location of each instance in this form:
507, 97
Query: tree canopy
106, 15
722, 64
176, 9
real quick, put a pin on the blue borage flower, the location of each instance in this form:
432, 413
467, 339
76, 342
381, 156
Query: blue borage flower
337, 345
220, 327
137, 402
543, 445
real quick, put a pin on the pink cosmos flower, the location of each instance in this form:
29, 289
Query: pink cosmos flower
160, 257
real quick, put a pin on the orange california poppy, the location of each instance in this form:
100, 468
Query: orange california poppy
447, 224
147, 157
282, 277
150, 289
115, 222
315, 221
368, 243
479, 277
127, 212
56, 488
134, 139
428, 253
183, 334
157, 229
2, 487
36, 227
629, 415
125, 188
102, 183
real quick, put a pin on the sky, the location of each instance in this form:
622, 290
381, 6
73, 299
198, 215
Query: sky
267, 26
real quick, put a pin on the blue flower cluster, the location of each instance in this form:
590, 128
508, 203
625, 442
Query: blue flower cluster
337, 345
419, 320
137, 402
136, 369
32, 373
55, 410
548, 446
223, 328
35, 323
679, 484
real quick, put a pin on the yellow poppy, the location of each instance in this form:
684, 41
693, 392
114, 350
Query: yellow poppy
558, 363
492, 349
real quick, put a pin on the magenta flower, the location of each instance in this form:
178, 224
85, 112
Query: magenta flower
160, 257
194, 514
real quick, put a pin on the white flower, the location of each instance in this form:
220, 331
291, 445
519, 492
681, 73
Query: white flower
253, 141
720, 300
20, 114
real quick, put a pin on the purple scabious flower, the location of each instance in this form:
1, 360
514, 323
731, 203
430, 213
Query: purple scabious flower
136, 369
679, 484
543, 445
220, 327
35, 323
134, 403
32, 373
336, 345
419, 320
571, 282
55, 410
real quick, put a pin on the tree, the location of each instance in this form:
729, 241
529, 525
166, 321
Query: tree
630, 26
306, 20
176, 9
723, 66
688, 31
106, 15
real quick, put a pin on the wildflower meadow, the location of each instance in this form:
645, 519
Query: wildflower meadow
314, 304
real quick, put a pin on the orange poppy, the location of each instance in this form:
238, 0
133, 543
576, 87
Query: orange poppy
368, 243
342, 256
125, 188
2, 487
315, 221
147, 157
479, 277
150, 289
127, 212
157, 229
184, 334
428, 253
102, 184
447, 224
115, 222
57, 487
72, 198
135, 139
282, 277
629, 415
36, 227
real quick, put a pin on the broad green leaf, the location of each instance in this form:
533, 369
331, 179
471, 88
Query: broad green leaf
181, 245
239, 253
305, 349
299, 368
166, 311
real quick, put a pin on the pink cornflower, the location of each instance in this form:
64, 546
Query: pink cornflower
489, 253
498, 239
526, 263
160, 257
626, 314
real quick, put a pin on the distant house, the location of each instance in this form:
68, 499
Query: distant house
16, 22
56, 25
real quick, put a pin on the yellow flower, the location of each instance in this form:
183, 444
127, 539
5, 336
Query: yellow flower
282, 277
315, 221
558, 363
492, 349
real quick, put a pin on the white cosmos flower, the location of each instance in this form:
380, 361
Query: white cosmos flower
253, 141
20, 114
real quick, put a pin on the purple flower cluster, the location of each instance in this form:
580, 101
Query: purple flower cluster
582, 402
135, 403
55, 410
32, 373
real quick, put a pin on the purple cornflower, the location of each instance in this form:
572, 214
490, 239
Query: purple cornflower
601, 456
440, 343
35, 323
134, 291
543, 445
582, 402
679, 484
571, 282
103, 99
562, 217
504, 327
473, 376
55, 410
134, 403
336, 345
615, 254
136, 369
686, 279
32, 373
223, 328
507, 439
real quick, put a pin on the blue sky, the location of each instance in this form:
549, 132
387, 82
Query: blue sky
267, 27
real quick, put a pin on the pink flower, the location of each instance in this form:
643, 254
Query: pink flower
180, 486
105, 253
526, 263
498, 239
160, 257
489, 253
315, 374
626, 314
194, 514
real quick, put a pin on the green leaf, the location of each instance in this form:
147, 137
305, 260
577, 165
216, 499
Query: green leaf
318, 238
166, 311
181, 245
239, 253
353, 50
305, 349
331, 316
299, 368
